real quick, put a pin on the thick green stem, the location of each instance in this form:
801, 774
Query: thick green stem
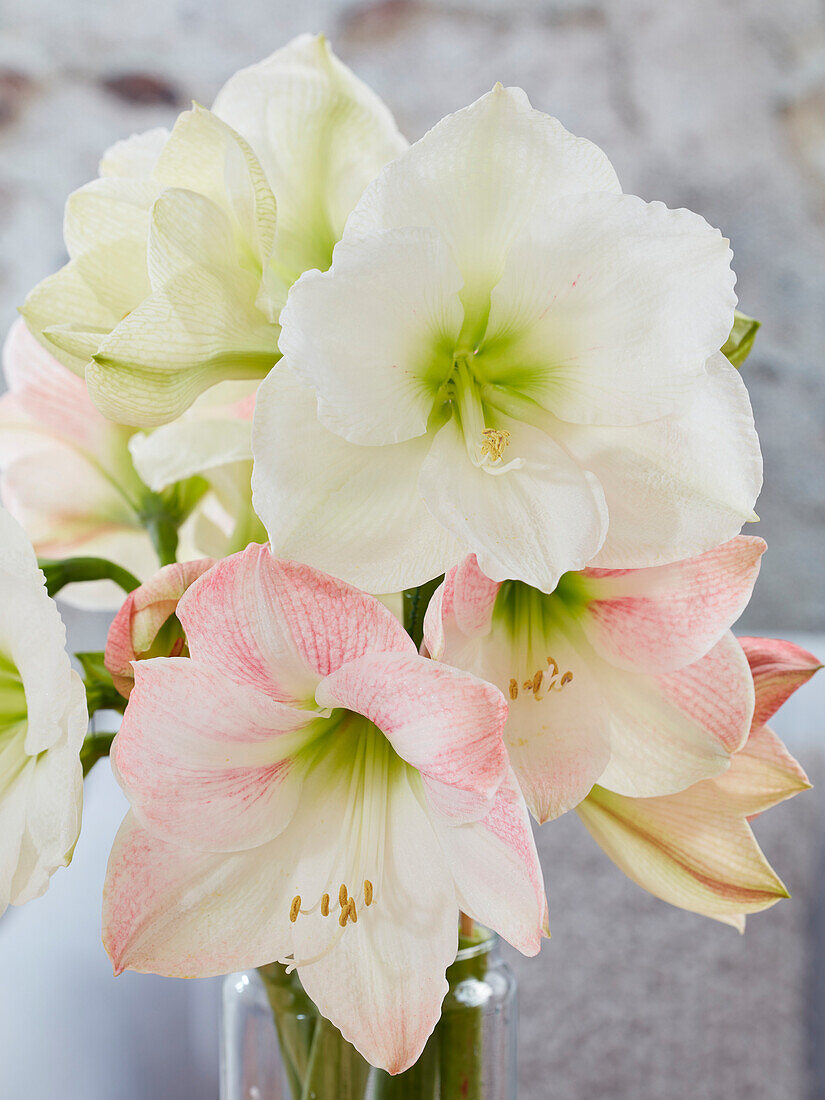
163, 532
460, 1031
75, 570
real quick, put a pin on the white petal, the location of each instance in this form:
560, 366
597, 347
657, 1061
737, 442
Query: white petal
608, 309
478, 175
135, 156
530, 524
679, 486
374, 334
352, 511
321, 135
183, 448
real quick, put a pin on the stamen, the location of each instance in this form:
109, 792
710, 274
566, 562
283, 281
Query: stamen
494, 442
352, 913
537, 681
325, 905
342, 917
568, 676
342, 895
534, 685
295, 908
367, 892
513, 689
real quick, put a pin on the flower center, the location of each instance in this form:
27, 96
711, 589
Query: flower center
485, 444
361, 764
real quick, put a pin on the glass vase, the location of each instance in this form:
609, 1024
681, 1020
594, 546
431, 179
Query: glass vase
275, 1045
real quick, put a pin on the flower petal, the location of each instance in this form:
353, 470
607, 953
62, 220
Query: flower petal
321, 135
689, 849
383, 983
207, 762
373, 334
496, 869
608, 309
778, 668
176, 451
352, 511
445, 723
459, 612
157, 895
679, 486
670, 731
477, 177
531, 523
660, 619
136, 156
281, 626
761, 774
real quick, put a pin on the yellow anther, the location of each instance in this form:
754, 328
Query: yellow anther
342, 896
551, 664
513, 689
325, 905
537, 681
494, 443
527, 685
568, 676
367, 892
351, 911
342, 917
295, 908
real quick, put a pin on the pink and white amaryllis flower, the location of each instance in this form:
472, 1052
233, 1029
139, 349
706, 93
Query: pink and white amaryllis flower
146, 625
508, 357
306, 787
68, 477
628, 678
695, 849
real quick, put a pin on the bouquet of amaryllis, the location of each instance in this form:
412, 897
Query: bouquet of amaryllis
422, 468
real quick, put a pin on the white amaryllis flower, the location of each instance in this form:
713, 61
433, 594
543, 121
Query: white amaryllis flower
626, 678
696, 849
43, 723
511, 357
306, 787
183, 250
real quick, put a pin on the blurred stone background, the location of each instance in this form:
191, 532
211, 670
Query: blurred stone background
718, 105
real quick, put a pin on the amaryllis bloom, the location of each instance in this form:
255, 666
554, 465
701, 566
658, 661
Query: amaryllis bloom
695, 849
68, 477
626, 678
43, 723
146, 625
306, 787
183, 250
508, 357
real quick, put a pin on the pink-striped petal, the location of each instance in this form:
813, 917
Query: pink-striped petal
187, 914
496, 869
778, 669
668, 732
282, 626
660, 619
142, 614
461, 608
445, 723
206, 762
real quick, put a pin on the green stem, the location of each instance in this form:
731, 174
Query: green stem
163, 532
460, 1030
95, 747
75, 570
416, 601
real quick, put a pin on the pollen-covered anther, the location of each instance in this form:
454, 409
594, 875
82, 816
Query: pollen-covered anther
325, 905
368, 892
295, 908
343, 895
494, 442
554, 681
352, 912
513, 689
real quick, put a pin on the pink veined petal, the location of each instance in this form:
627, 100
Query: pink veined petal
778, 669
690, 849
282, 626
206, 762
383, 983
55, 398
462, 607
496, 869
671, 731
445, 723
143, 613
187, 914
660, 619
